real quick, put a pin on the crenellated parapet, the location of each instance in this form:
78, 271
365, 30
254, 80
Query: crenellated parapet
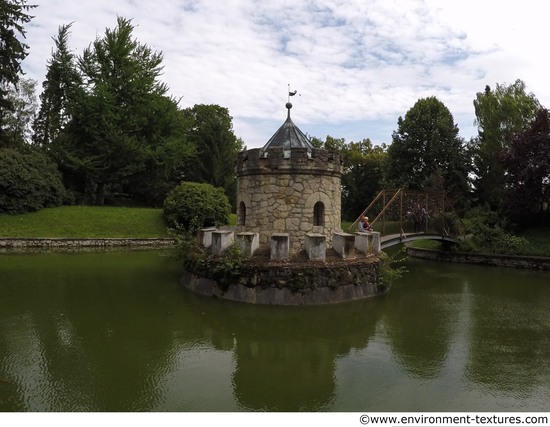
297, 160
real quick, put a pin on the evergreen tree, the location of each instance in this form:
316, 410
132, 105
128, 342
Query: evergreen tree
13, 16
118, 127
61, 79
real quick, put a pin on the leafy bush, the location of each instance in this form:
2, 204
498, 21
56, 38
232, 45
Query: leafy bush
191, 206
495, 241
389, 274
485, 216
29, 182
453, 224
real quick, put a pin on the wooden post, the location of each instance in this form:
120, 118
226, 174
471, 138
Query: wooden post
384, 215
443, 217
401, 214
426, 217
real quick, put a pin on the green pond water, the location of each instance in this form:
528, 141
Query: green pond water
116, 332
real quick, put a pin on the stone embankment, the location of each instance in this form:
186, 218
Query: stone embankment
50, 243
293, 282
514, 261
348, 271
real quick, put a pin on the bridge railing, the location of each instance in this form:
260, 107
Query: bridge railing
401, 211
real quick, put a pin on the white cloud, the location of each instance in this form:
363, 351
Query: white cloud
357, 64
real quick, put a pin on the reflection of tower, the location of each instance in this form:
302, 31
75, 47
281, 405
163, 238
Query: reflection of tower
288, 186
285, 374
285, 358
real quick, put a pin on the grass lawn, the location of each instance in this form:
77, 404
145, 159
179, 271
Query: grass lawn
426, 244
89, 222
86, 222
539, 241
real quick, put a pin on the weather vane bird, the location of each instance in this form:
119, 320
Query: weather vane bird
292, 93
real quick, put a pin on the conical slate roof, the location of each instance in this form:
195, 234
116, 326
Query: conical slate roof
288, 136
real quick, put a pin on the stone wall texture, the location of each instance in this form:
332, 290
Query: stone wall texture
30, 243
278, 194
287, 284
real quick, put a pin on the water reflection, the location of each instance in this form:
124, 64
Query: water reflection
77, 337
116, 332
285, 357
510, 328
421, 324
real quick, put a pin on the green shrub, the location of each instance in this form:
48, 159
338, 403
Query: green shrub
483, 215
191, 206
29, 182
495, 241
389, 274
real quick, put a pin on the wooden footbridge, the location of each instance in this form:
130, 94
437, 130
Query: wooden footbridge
397, 239
403, 216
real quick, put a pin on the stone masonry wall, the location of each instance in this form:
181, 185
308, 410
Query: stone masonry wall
280, 194
30, 243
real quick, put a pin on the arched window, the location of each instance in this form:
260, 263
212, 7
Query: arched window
242, 214
319, 214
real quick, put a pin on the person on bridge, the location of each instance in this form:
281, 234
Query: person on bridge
416, 216
423, 216
364, 225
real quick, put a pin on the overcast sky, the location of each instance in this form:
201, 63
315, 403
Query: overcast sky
357, 64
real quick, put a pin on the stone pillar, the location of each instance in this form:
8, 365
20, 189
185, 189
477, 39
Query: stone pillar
280, 246
248, 242
368, 243
344, 244
221, 240
316, 246
374, 243
205, 236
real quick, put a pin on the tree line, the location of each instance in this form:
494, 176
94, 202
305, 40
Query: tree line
505, 169
104, 124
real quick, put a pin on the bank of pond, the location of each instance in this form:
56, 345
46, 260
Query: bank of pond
117, 332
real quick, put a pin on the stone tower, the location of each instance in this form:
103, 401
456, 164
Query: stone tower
288, 186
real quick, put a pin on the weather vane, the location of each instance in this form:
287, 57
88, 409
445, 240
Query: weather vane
291, 93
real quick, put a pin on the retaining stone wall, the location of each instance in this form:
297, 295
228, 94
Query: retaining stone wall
49, 243
534, 263
289, 284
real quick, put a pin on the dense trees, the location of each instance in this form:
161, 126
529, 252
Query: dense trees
107, 122
526, 166
211, 132
427, 143
13, 16
362, 179
500, 113
105, 119
18, 120
118, 124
